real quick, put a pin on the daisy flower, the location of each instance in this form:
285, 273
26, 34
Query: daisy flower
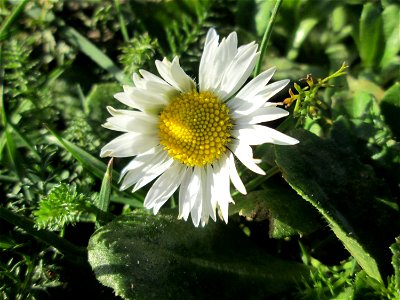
188, 135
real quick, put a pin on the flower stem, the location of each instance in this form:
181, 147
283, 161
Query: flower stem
124, 31
267, 35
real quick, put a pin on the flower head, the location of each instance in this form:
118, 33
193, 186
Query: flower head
186, 136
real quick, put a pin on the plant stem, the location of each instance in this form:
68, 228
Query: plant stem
49, 238
121, 21
267, 35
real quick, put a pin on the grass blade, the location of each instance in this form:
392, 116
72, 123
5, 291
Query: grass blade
87, 47
103, 200
49, 238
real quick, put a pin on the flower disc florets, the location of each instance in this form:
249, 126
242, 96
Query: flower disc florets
195, 128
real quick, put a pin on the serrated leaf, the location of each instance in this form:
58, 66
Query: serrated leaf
343, 190
142, 256
287, 212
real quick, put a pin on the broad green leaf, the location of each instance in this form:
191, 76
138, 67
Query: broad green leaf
391, 31
370, 37
142, 256
366, 86
287, 212
390, 107
396, 262
344, 191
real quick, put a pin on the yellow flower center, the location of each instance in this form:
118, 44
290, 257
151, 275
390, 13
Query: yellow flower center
195, 128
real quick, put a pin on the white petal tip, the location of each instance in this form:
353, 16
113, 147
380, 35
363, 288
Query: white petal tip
106, 153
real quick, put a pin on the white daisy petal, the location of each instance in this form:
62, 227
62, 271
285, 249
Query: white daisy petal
184, 205
257, 135
197, 209
235, 178
164, 187
221, 177
245, 106
174, 75
187, 194
238, 72
140, 122
152, 173
263, 114
147, 165
207, 58
129, 144
257, 84
211, 201
245, 154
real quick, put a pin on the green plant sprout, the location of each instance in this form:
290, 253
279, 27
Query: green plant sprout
306, 100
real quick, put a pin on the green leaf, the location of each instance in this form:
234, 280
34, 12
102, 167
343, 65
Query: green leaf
370, 37
142, 256
12, 18
303, 30
396, 262
100, 96
391, 31
104, 197
364, 85
390, 107
88, 48
344, 191
287, 212
63, 245
264, 9
91, 163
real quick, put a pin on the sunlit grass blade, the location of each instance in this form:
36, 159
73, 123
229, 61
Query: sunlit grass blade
87, 47
91, 163
103, 201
